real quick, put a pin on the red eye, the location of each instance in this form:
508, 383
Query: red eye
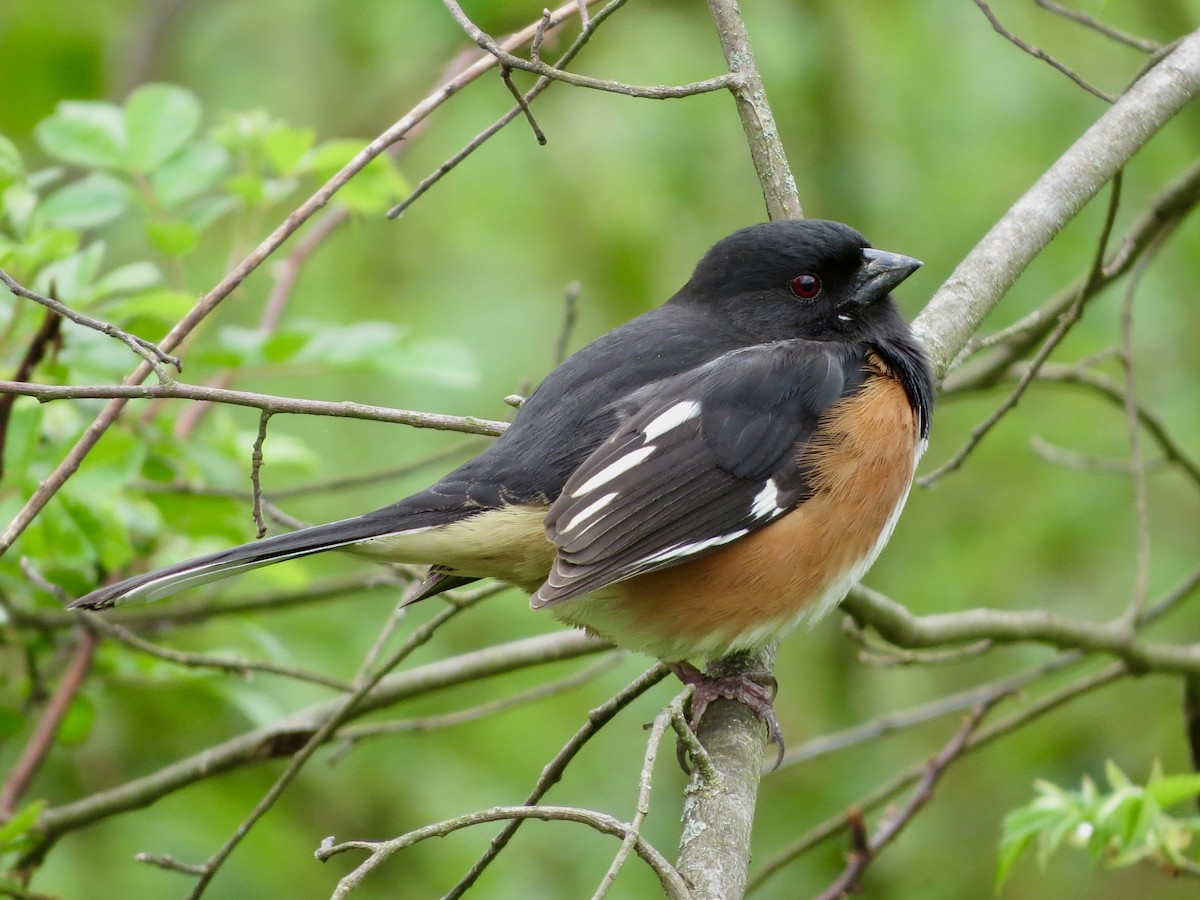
806, 285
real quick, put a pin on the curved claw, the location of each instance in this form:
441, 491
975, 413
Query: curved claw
753, 690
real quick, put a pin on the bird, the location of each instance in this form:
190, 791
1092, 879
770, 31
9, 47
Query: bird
697, 482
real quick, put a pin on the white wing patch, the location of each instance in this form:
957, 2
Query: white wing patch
617, 467
766, 503
588, 511
673, 417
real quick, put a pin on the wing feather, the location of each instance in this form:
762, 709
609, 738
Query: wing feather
702, 459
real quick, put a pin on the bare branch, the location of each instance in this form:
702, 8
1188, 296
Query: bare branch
758, 122
268, 403
893, 824
990, 269
900, 626
1151, 421
283, 737
38, 746
1162, 218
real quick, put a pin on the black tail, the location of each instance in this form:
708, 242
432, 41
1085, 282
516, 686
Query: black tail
163, 582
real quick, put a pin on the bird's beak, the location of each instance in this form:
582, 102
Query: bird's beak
881, 271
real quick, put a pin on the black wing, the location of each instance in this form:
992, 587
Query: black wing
708, 457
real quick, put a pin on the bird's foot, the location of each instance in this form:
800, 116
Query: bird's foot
755, 690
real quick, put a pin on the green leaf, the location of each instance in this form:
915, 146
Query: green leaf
128, 279
11, 168
172, 237
77, 723
21, 823
1115, 776
207, 210
90, 202
12, 720
24, 434
1020, 827
43, 247
189, 173
85, 133
1167, 790
70, 279
17, 203
373, 189
152, 310
159, 120
249, 188
284, 147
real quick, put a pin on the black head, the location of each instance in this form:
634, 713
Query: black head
807, 278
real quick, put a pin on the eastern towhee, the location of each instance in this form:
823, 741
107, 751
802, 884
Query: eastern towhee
697, 482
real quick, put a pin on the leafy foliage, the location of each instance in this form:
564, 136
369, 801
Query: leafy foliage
1124, 825
147, 177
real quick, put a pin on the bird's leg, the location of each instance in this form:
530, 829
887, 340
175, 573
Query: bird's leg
755, 690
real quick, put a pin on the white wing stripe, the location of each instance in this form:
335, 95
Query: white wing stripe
682, 550
619, 466
673, 417
588, 511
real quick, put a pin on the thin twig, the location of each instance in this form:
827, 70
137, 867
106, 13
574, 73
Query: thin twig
40, 742
570, 316
50, 485
318, 738
669, 880
1150, 420
651, 92
884, 792
1122, 37
232, 665
1137, 468
45, 336
156, 357
506, 77
538, 87
256, 464
1043, 55
449, 720
658, 730
553, 771
268, 403
1068, 318
891, 723
863, 856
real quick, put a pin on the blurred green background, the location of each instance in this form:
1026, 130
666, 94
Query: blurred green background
912, 121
